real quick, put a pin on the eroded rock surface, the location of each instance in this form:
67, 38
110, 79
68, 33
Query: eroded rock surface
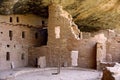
112, 73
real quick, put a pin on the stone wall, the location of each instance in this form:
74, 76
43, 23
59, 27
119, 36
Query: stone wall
109, 33
64, 38
87, 55
58, 18
26, 19
15, 40
35, 53
87, 48
113, 50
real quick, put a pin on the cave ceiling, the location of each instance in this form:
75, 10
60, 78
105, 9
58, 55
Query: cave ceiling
89, 15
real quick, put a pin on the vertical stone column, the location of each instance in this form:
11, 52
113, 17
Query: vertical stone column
60, 29
58, 26
101, 54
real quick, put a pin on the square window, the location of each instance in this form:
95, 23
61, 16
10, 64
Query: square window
23, 34
11, 19
22, 56
7, 56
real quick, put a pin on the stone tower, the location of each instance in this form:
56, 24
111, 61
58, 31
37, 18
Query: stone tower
61, 29
60, 26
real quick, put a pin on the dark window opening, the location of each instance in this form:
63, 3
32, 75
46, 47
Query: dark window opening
1, 32
7, 56
36, 62
8, 45
43, 23
44, 36
22, 56
10, 34
10, 19
23, 34
17, 19
79, 36
36, 35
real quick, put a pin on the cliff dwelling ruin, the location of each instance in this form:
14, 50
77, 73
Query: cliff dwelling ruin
59, 40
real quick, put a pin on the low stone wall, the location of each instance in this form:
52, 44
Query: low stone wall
113, 50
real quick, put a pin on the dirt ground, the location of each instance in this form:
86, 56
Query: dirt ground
47, 74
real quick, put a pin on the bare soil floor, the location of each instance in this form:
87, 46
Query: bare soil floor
47, 74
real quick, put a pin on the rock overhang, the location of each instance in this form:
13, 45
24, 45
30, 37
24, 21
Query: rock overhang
89, 15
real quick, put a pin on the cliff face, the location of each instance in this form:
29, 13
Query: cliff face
90, 15
37, 7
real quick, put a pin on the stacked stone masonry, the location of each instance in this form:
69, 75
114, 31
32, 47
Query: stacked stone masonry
15, 42
21, 42
69, 40
94, 50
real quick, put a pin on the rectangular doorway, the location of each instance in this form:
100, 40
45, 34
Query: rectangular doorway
74, 58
